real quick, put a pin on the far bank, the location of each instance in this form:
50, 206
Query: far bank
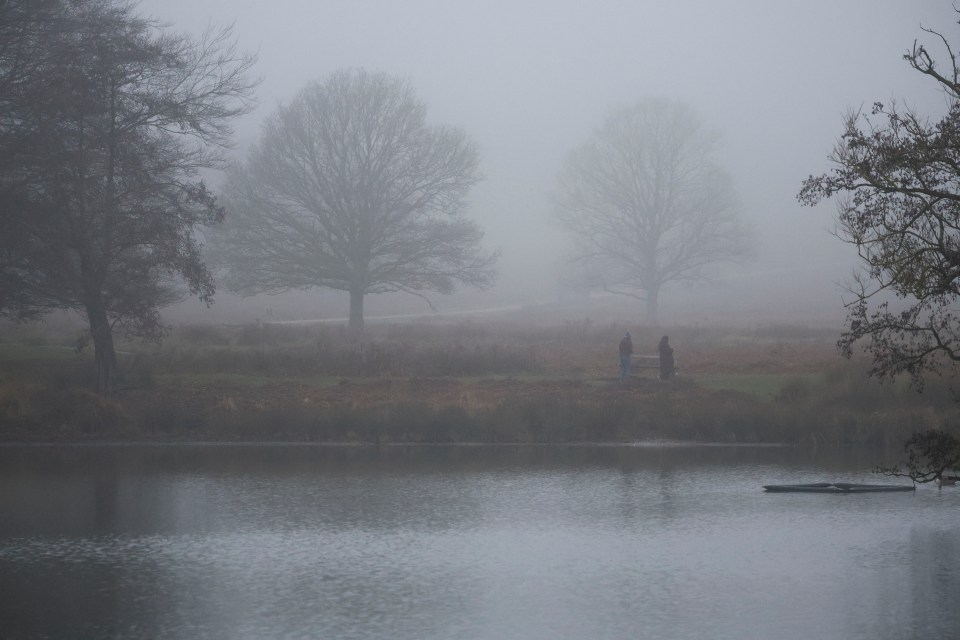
461, 383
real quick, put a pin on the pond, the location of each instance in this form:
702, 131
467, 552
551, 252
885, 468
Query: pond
300, 541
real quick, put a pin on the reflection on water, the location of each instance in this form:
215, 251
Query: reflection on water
466, 542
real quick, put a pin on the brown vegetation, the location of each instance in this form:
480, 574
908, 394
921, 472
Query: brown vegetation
461, 383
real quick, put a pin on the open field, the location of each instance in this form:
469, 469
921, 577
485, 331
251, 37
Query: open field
461, 382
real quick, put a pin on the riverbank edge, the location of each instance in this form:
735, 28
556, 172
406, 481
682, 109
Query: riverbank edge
446, 411
146, 444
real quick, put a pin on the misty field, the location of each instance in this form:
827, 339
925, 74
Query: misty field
466, 382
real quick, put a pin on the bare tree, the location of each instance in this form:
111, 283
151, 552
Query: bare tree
899, 206
350, 189
105, 123
646, 204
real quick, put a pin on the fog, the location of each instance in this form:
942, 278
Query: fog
528, 81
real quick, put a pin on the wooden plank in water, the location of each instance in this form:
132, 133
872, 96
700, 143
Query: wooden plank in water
836, 487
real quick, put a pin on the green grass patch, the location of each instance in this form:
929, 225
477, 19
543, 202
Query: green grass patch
13, 352
242, 379
765, 386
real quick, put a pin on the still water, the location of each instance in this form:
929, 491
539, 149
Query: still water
467, 542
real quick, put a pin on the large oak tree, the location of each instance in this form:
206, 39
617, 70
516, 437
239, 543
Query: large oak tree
350, 188
646, 203
105, 122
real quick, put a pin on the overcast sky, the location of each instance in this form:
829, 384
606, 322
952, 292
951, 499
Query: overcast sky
528, 81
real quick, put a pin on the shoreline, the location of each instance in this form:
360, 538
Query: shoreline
448, 411
459, 384
672, 444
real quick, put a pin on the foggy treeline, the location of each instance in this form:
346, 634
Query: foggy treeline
530, 83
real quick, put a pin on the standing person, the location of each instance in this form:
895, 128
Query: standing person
626, 350
666, 358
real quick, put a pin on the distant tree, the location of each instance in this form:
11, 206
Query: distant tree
349, 188
898, 188
647, 205
105, 122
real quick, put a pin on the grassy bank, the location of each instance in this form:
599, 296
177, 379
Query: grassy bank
457, 383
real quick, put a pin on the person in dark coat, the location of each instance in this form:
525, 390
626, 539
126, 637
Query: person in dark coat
666, 358
626, 350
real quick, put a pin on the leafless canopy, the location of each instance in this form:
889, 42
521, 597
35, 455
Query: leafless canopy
350, 189
646, 204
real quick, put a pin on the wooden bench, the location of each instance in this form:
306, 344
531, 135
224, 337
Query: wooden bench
638, 363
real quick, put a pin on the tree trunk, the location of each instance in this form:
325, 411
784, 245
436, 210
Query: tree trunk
653, 306
104, 353
356, 308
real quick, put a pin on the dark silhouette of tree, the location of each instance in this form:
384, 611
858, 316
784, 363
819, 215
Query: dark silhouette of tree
646, 205
350, 189
930, 455
22, 23
896, 176
105, 122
